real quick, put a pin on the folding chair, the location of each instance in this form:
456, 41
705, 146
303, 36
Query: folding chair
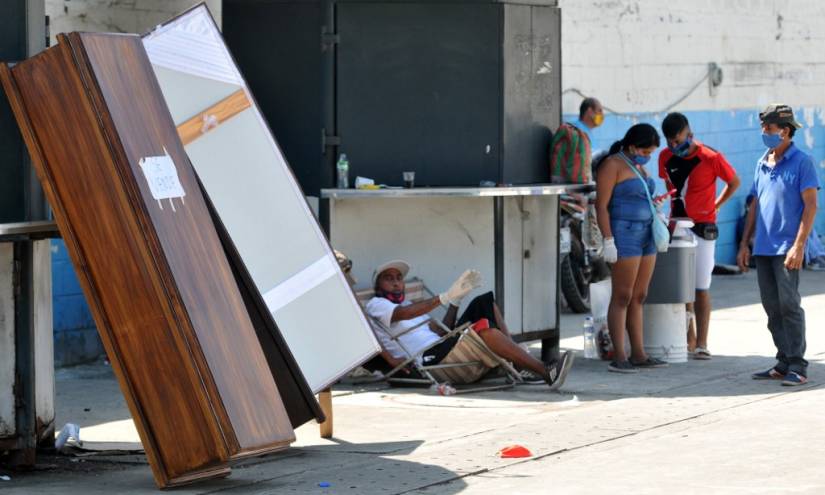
453, 368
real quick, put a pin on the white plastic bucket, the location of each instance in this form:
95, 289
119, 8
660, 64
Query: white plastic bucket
665, 332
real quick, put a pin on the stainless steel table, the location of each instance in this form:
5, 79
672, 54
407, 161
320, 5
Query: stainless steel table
510, 234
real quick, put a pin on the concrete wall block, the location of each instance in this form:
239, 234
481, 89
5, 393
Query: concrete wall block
71, 312
117, 16
64, 280
760, 44
77, 346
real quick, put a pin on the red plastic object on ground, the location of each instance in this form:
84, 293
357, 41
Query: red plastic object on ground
514, 451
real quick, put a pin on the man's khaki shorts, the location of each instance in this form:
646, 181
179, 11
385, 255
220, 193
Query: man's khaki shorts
470, 347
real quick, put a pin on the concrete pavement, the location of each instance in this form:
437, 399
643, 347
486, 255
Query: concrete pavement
698, 427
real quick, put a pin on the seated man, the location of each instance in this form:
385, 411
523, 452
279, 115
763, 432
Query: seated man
399, 315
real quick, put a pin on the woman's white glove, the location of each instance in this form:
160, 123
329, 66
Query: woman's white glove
609, 252
468, 281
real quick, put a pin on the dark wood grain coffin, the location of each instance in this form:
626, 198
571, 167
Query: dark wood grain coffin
162, 293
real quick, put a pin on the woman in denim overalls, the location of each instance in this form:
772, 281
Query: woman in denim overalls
625, 219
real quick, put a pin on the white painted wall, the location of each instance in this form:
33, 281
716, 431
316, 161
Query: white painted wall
641, 55
117, 16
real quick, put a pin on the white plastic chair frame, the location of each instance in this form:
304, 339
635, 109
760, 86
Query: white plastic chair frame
416, 291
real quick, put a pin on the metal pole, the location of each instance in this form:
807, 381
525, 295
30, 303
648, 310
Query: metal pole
498, 247
550, 345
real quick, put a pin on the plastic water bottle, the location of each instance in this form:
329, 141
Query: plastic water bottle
442, 389
343, 171
589, 333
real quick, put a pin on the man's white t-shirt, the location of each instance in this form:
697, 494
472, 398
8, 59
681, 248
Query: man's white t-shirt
415, 340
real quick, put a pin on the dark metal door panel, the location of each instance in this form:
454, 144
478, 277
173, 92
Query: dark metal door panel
277, 47
532, 90
418, 88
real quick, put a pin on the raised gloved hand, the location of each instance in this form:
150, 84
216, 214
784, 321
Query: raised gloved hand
609, 252
468, 281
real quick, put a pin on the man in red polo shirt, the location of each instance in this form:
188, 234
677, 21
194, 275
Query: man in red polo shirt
691, 168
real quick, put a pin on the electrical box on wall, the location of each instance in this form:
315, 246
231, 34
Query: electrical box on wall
459, 92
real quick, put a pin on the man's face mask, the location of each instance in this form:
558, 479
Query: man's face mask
394, 297
598, 119
682, 149
772, 140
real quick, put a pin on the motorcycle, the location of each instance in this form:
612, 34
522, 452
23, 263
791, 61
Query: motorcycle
581, 263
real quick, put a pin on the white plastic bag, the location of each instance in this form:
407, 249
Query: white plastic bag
599, 303
69, 437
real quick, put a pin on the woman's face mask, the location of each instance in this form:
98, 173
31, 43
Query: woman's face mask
641, 159
637, 157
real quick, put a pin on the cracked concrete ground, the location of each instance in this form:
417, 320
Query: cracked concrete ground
697, 427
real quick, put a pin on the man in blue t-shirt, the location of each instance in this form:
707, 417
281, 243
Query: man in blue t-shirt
785, 185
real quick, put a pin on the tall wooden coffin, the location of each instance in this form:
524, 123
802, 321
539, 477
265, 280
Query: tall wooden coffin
147, 254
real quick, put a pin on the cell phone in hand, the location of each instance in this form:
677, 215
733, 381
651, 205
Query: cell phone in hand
664, 196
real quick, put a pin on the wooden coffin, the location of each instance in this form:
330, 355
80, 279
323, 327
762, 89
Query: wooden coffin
147, 255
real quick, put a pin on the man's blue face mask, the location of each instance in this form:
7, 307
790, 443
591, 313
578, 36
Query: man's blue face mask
681, 150
771, 140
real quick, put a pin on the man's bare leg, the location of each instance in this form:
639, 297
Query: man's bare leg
500, 323
509, 350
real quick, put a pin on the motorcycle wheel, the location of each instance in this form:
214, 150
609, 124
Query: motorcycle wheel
575, 285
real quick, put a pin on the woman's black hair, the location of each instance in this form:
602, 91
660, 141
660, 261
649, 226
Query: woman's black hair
640, 136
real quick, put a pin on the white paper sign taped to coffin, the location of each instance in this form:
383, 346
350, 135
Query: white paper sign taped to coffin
162, 176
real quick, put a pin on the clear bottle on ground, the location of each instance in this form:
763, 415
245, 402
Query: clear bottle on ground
442, 389
343, 171
589, 334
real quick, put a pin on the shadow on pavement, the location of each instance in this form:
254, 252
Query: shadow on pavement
730, 291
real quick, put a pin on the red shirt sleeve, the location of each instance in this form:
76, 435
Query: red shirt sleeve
723, 169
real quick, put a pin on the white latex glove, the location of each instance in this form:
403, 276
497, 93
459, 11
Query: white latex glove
468, 281
609, 251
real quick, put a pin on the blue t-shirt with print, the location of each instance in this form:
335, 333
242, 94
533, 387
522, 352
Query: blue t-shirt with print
778, 192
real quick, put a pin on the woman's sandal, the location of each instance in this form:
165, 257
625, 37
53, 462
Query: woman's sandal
651, 362
621, 367
701, 353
